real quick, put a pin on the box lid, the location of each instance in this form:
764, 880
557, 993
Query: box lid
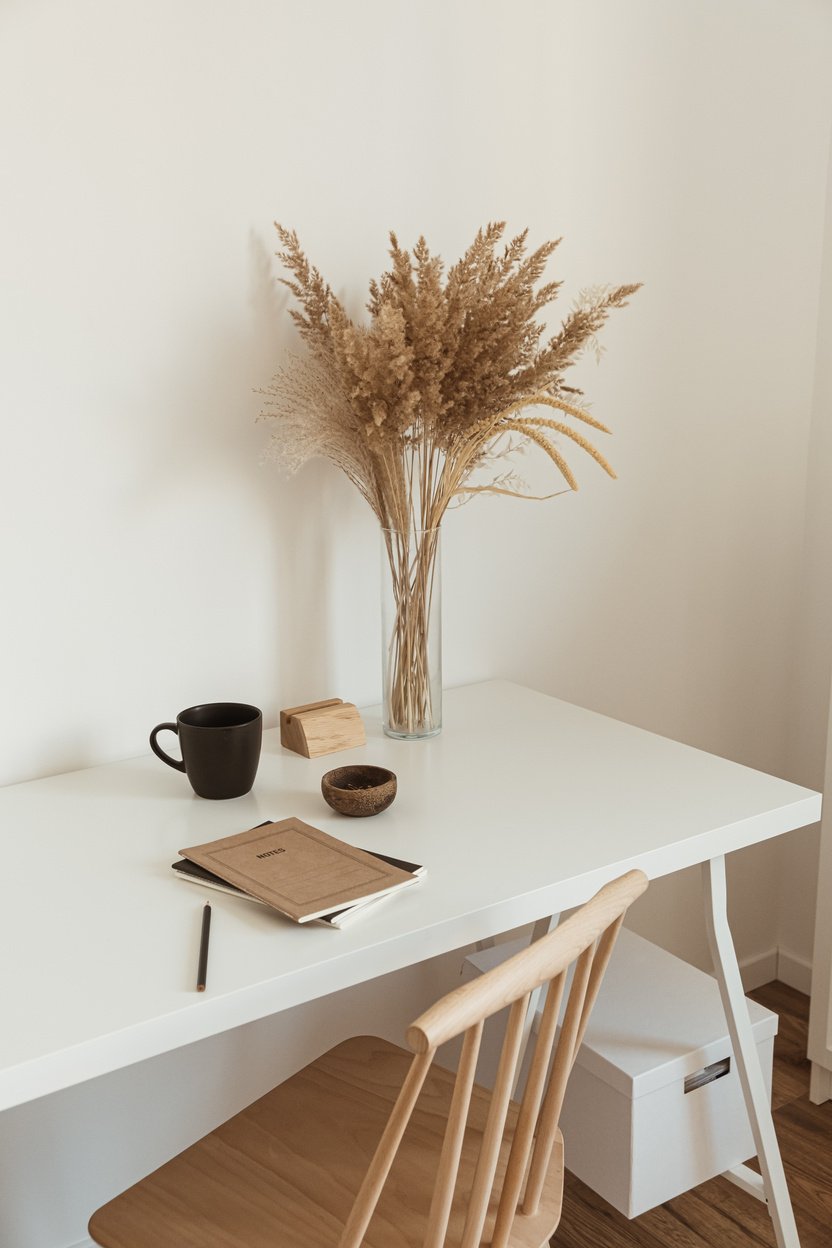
657, 1019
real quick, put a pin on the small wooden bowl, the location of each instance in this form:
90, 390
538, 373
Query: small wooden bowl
359, 790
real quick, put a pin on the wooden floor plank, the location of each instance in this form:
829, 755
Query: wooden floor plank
791, 1066
718, 1214
805, 1134
786, 1001
588, 1220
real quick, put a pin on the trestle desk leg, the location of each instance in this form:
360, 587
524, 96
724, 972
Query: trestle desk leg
745, 1054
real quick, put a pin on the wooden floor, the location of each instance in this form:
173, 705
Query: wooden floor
718, 1214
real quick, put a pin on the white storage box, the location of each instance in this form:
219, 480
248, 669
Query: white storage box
632, 1131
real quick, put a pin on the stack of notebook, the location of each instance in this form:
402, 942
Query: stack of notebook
304, 873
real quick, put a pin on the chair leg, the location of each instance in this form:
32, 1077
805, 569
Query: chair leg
750, 1073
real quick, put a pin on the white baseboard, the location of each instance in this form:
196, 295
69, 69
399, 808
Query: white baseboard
758, 970
794, 971
820, 1086
789, 968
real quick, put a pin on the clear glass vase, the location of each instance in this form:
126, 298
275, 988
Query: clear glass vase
411, 621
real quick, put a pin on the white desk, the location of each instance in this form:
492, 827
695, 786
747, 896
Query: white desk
522, 808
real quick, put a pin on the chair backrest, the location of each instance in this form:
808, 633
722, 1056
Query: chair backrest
586, 939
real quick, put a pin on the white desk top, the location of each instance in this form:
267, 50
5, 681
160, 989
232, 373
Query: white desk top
522, 807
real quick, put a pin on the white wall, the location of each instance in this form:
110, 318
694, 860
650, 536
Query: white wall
149, 561
812, 703
810, 694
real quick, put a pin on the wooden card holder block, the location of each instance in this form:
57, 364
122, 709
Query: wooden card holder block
321, 728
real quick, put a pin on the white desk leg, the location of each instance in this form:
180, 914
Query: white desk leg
745, 1054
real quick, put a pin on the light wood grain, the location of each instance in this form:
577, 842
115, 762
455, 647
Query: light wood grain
364, 1205
373, 1146
483, 1186
322, 728
285, 1172
446, 1179
527, 1122
528, 969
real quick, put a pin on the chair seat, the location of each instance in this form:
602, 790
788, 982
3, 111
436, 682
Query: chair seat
284, 1172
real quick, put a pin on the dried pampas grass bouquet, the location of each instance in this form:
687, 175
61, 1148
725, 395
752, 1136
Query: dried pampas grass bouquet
422, 405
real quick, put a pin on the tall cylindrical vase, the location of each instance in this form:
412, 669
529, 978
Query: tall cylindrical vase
411, 619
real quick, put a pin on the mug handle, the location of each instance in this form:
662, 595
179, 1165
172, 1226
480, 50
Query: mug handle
159, 752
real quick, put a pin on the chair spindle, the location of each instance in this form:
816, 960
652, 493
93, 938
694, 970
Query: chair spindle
495, 1124
562, 1064
524, 1131
448, 1167
374, 1180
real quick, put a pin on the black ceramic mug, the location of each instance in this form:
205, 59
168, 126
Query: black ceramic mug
220, 744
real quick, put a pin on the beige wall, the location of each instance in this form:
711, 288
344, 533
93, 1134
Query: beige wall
149, 561
809, 760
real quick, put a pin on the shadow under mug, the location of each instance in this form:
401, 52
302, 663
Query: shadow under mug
220, 744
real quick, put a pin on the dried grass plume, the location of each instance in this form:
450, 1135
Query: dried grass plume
449, 373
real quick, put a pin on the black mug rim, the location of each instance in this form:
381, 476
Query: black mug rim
247, 715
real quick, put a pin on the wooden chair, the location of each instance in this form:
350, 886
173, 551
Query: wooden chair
374, 1145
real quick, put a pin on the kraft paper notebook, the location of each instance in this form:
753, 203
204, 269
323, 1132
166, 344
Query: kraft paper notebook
299, 870
192, 873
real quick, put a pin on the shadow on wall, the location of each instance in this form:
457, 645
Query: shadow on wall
303, 514
303, 529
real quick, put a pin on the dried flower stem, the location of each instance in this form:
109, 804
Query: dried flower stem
412, 557
413, 403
